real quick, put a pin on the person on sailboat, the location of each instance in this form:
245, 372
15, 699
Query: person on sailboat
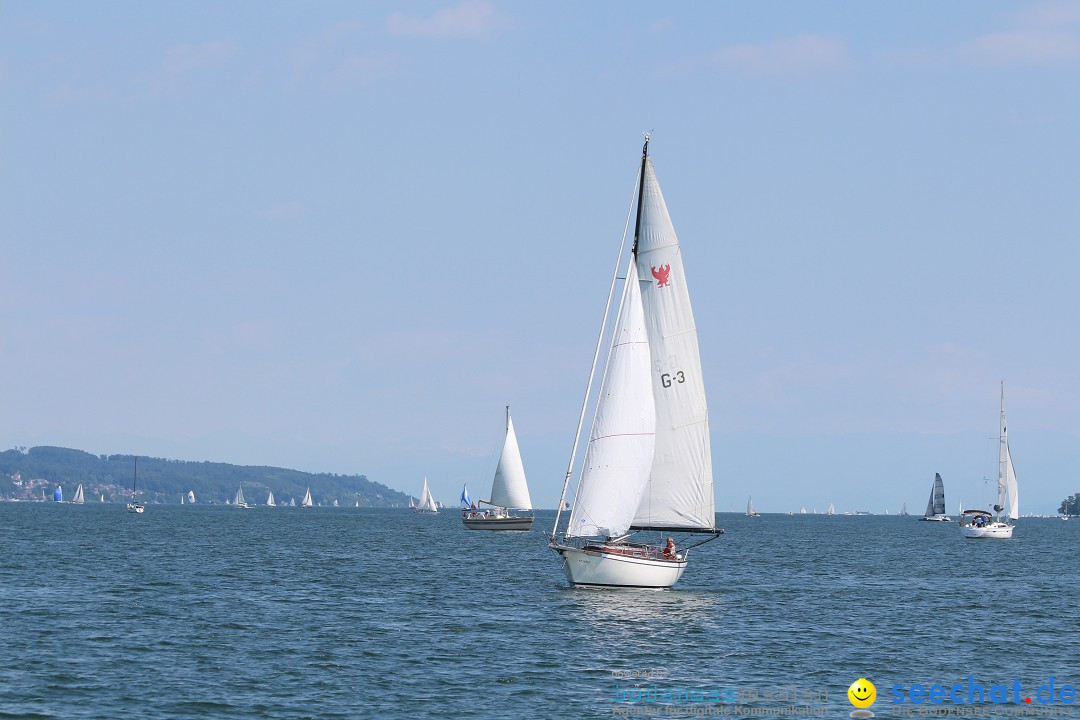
669, 551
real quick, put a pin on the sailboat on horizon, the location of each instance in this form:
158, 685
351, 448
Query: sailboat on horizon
981, 524
648, 463
239, 502
935, 507
750, 511
191, 497
509, 492
427, 502
306, 502
135, 506
831, 510
78, 499
270, 500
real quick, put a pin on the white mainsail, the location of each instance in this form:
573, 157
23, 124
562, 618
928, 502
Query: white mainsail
509, 489
679, 493
620, 450
270, 499
427, 502
832, 510
78, 499
191, 496
306, 502
239, 496
1006, 473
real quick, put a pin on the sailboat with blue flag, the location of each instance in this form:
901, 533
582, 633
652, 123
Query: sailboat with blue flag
509, 498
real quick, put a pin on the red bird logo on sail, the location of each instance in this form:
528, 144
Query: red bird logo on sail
661, 275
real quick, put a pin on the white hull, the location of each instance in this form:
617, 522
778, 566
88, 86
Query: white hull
996, 530
937, 518
134, 508
496, 523
592, 567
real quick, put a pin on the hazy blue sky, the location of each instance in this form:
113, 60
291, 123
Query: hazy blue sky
340, 237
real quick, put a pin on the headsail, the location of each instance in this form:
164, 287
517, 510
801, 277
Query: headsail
78, 499
427, 502
620, 450
679, 493
509, 488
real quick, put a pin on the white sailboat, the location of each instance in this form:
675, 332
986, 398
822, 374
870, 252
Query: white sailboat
306, 502
78, 499
270, 500
102, 497
648, 464
935, 507
981, 524
191, 497
135, 506
903, 511
750, 511
831, 510
509, 492
239, 500
181, 498
427, 502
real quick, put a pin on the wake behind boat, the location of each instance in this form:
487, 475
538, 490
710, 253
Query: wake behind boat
648, 464
977, 524
935, 507
509, 492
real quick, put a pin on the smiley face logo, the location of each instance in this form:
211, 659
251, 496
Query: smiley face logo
862, 693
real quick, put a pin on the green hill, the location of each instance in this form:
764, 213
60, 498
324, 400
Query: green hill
25, 473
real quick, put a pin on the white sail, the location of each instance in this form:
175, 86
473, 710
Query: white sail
427, 502
191, 496
102, 497
831, 510
509, 489
680, 488
620, 451
1007, 488
239, 497
270, 499
78, 499
307, 499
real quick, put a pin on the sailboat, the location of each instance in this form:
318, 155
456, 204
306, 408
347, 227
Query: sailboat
181, 498
306, 502
134, 506
935, 507
750, 511
412, 504
903, 511
648, 464
239, 500
509, 492
831, 510
270, 500
981, 524
58, 494
102, 497
427, 502
78, 499
191, 497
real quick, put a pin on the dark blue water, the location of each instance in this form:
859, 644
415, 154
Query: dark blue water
211, 612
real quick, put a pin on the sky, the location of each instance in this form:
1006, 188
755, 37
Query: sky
341, 237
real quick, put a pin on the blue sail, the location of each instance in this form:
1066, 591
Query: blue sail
465, 496
58, 496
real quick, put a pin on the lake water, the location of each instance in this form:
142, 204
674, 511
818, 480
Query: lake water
212, 612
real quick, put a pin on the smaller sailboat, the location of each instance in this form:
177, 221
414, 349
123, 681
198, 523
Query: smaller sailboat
134, 506
509, 492
306, 502
191, 497
102, 497
239, 500
270, 500
427, 502
412, 504
750, 511
802, 510
181, 498
292, 502
58, 494
903, 511
831, 510
935, 508
78, 499
981, 524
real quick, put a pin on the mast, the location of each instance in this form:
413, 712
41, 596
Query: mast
640, 194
